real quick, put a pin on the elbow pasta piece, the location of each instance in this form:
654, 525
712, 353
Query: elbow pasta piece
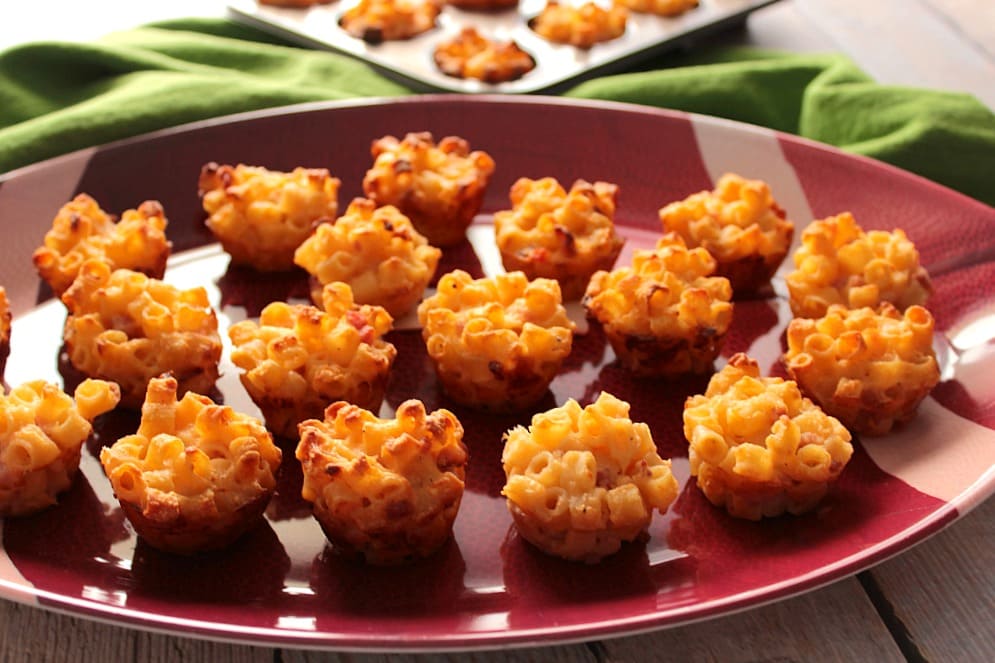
440, 188
838, 263
868, 369
42, 431
261, 216
471, 55
659, 7
582, 26
82, 231
385, 490
376, 251
195, 476
553, 234
376, 21
128, 328
298, 359
664, 315
740, 224
580, 481
5, 319
496, 342
758, 447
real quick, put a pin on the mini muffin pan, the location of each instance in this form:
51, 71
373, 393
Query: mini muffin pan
412, 61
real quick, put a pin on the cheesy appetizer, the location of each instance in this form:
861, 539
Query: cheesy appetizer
582, 25
659, 7
376, 21
471, 55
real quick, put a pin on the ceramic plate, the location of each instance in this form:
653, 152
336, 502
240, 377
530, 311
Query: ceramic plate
282, 584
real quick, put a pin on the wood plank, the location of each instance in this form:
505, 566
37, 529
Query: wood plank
835, 623
943, 590
560, 654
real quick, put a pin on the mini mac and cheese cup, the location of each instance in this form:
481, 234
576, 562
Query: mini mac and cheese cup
759, 448
550, 233
580, 25
42, 431
839, 263
740, 224
471, 55
82, 231
376, 251
496, 342
659, 7
376, 21
869, 369
386, 490
440, 188
665, 314
196, 475
299, 359
581, 481
261, 216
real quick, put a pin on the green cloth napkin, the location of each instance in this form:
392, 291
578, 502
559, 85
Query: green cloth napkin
58, 97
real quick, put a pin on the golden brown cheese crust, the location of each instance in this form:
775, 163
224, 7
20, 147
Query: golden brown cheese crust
42, 436
440, 188
550, 233
376, 251
581, 26
82, 231
5, 320
195, 476
839, 263
387, 490
740, 224
261, 216
758, 447
483, 4
127, 328
869, 369
580, 481
471, 55
665, 314
498, 342
376, 21
659, 7
298, 359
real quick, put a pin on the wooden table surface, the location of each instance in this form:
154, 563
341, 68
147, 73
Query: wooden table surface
935, 602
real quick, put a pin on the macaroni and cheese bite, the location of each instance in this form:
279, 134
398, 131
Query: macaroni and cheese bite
868, 368
377, 21
471, 55
376, 251
740, 224
582, 25
440, 188
659, 7
82, 231
196, 475
41, 439
298, 358
482, 4
497, 342
665, 314
384, 490
261, 216
759, 448
839, 263
128, 328
580, 481
553, 234
5, 319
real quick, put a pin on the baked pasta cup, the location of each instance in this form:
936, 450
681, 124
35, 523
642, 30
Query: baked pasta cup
553, 234
82, 231
125, 327
659, 7
869, 369
261, 216
5, 319
298, 359
376, 21
582, 25
740, 224
498, 342
482, 4
839, 263
196, 475
665, 314
386, 490
758, 447
41, 438
376, 251
580, 481
471, 55
440, 188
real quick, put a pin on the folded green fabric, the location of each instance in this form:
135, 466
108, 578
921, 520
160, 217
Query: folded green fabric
58, 97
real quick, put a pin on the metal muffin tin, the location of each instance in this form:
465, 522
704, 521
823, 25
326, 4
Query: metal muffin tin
556, 64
